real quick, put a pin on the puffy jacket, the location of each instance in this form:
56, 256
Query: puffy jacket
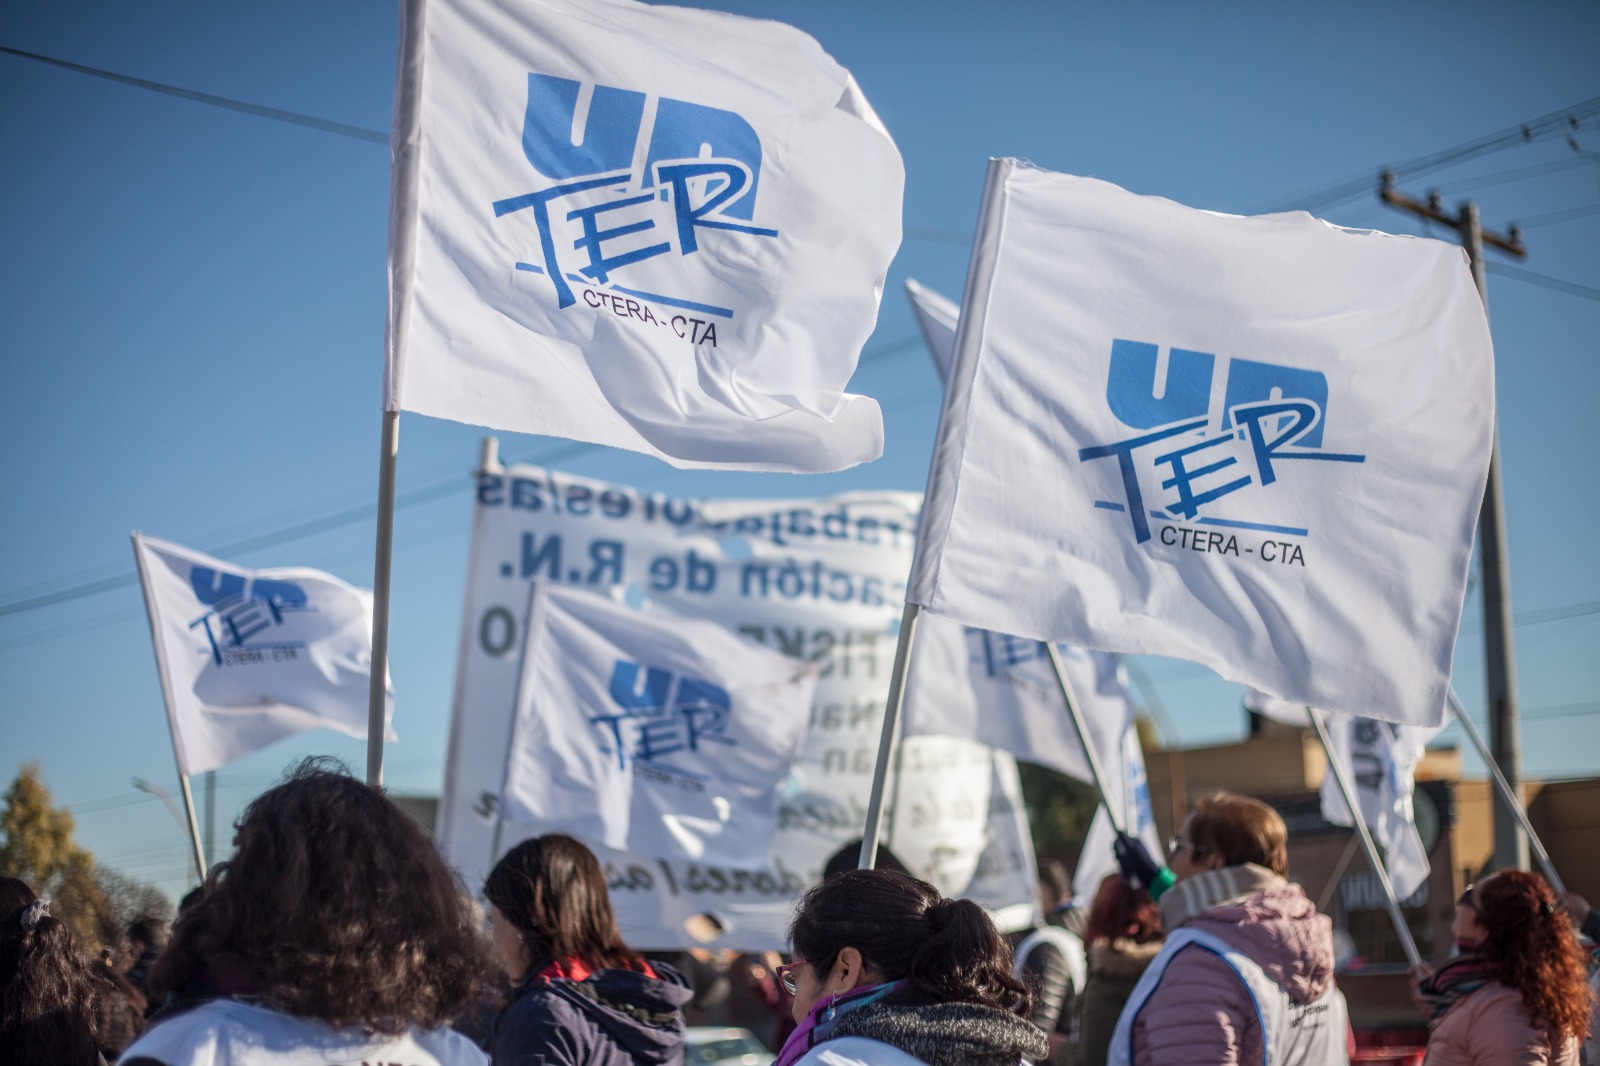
1115, 966
1491, 1027
610, 1018
1201, 1014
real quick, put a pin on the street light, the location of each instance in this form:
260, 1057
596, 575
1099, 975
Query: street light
183, 827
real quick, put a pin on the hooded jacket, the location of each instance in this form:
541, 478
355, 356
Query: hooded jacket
1201, 1013
609, 1018
1491, 1027
938, 1034
1115, 966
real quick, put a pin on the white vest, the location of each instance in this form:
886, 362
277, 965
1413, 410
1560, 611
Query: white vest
1292, 1034
1071, 949
241, 1034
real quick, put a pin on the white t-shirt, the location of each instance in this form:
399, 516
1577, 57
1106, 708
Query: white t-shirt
225, 1032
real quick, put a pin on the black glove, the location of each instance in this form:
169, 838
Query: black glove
1134, 859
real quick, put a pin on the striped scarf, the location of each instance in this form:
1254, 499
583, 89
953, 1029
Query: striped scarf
1456, 979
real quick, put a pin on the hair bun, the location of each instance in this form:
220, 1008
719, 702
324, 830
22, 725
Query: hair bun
941, 914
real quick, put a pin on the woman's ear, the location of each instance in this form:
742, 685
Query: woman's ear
848, 971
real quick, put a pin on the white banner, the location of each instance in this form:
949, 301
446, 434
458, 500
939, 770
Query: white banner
650, 227
819, 580
652, 733
252, 656
1255, 443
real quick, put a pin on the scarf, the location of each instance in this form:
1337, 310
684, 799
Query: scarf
1454, 981
818, 1026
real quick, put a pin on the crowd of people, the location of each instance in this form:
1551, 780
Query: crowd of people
337, 934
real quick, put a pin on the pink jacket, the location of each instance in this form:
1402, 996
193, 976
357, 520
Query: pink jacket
1201, 1014
1491, 1027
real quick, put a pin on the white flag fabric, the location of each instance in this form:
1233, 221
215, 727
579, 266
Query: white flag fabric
652, 733
650, 227
1130, 789
248, 657
937, 317
1255, 443
1380, 759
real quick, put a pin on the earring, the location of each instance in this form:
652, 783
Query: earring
832, 1009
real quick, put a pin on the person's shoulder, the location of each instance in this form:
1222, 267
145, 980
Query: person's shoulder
857, 1051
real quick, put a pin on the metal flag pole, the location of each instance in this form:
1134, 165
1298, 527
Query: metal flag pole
1508, 795
531, 640
1095, 770
889, 736
153, 615
377, 688
1347, 790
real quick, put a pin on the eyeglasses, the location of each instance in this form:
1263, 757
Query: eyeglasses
786, 976
1177, 844
1465, 899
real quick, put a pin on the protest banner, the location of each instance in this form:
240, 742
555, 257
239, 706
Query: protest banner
1255, 443
817, 579
650, 732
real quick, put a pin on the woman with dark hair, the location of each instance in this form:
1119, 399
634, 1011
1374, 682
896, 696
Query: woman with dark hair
886, 972
582, 997
1124, 936
335, 933
1518, 994
50, 997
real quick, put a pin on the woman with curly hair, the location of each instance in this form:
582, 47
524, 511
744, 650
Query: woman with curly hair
1124, 937
51, 999
1517, 994
582, 997
886, 972
335, 933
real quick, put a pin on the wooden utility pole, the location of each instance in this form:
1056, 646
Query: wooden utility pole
1505, 733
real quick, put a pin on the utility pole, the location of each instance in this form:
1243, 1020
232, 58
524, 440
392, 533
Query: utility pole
1505, 732
211, 814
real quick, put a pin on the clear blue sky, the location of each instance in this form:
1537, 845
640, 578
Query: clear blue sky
192, 308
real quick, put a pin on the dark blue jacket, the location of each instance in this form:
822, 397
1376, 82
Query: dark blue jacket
610, 1018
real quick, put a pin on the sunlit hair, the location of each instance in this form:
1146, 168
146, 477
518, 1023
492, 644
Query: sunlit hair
551, 888
1241, 830
949, 948
1122, 912
1530, 940
334, 906
51, 999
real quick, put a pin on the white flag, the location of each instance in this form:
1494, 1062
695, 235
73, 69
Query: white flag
1380, 760
1130, 789
650, 227
937, 317
652, 733
1255, 443
248, 657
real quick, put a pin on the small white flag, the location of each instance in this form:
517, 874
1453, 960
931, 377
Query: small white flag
937, 317
1380, 760
1255, 443
650, 227
248, 657
652, 733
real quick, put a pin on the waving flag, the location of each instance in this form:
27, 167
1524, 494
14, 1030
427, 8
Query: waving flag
248, 657
936, 317
650, 227
651, 733
1255, 443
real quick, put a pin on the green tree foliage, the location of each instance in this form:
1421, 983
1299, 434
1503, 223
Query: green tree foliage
1059, 811
36, 845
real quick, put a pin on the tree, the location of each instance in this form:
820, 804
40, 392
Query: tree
36, 845
128, 901
1059, 811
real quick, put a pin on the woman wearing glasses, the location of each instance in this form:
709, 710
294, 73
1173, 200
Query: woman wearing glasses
886, 972
1517, 994
1246, 973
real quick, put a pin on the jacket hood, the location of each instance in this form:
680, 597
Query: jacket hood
642, 1014
1121, 958
1280, 929
946, 1034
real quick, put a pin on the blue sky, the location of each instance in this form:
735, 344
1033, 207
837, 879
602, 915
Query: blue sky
192, 308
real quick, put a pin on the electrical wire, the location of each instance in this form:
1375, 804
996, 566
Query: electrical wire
1545, 280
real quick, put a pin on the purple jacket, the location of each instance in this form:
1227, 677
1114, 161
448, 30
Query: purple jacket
610, 1018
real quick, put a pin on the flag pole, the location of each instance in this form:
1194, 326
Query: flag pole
377, 687
1096, 771
889, 737
1347, 790
531, 639
172, 719
1508, 795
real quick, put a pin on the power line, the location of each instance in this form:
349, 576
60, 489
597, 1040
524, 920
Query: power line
1559, 216
1518, 274
294, 118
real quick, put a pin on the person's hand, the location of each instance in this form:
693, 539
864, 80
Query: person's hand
1575, 905
1134, 859
1417, 975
